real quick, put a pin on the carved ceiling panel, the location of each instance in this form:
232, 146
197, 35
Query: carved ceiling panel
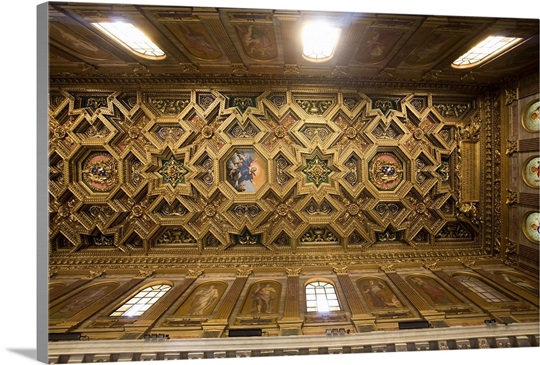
208, 171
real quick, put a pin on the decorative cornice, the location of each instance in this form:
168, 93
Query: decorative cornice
287, 79
84, 261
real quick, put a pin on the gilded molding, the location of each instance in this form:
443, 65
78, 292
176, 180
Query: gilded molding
291, 77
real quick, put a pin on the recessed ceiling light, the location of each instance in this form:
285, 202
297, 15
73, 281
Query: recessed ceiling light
132, 38
485, 50
319, 41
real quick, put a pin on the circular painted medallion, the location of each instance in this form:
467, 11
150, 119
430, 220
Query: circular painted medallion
531, 226
531, 117
99, 172
385, 171
531, 172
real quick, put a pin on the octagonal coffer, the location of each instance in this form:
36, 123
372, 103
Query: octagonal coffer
99, 171
245, 170
386, 171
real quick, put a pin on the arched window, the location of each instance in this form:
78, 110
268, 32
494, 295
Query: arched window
321, 297
141, 302
488, 293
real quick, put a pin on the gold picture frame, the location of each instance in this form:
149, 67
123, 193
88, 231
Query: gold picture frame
530, 116
530, 172
531, 226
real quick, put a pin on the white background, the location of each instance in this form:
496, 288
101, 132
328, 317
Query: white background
18, 177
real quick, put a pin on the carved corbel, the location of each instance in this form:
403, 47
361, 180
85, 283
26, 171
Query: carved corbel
511, 147
243, 272
469, 264
189, 68
94, 274
471, 131
341, 270
194, 273
292, 272
433, 266
387, 269
468, 212
291, 69
340, 70
387, 73
511, 95
512, 197
239, 68
143, 274
138, 68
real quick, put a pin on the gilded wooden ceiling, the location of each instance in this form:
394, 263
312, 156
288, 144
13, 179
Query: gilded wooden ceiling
144, 170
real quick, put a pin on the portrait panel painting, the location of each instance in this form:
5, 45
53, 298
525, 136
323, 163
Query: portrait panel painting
203, 300
71, 306
378, 294
263, 298
433, 292
245, 171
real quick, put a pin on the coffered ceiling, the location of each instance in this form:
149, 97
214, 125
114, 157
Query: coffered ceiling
281, 160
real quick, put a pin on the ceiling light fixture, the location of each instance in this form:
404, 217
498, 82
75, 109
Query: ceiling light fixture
319, 41
485, 50
132, 38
